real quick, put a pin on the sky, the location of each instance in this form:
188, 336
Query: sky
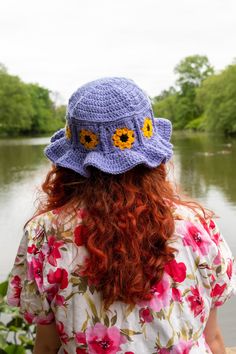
62, 44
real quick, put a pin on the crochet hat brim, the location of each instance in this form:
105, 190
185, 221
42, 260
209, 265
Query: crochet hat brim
159, 149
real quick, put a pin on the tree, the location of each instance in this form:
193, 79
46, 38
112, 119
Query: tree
27, 108
191, 71
42, 108
217, 98
15, 104
165, 107
164, 94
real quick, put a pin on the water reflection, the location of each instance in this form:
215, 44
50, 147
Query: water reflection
206, 161
18, 158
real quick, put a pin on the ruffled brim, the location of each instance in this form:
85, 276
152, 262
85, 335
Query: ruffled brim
156, 151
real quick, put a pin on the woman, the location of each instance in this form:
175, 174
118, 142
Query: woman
114, 261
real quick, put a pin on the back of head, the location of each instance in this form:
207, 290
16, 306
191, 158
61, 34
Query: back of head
110, 159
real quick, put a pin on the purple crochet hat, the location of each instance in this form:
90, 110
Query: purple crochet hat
110, 126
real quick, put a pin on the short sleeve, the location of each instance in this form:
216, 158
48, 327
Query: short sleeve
26, 288
223, 269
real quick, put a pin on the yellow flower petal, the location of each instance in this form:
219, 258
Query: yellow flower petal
147, 127
122, 134
119, 132
68, 132
85, 134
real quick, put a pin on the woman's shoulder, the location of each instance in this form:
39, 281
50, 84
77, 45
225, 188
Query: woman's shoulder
193, 213
196, 224
189, 212
60, 221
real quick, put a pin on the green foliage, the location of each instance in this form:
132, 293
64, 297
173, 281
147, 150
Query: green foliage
217, 97
192, 71
165, 107
180, 106
197, 123
26, 108
16, 337
204, 100
15, 104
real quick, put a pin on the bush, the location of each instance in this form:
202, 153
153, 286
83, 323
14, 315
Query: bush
16, 336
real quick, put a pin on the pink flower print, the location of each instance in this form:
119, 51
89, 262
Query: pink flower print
32, 249
129, 352
212, 224
81, 351
29, 317
35, 270
46, 319
230, 268
60, 277
14, 296
51, 250
176, 270
213, 278
218, 290
204, 224
217, 259
160, 295
145, 315
60, 300
176, 295
163, 351
61, 331
182, 347
216, 237
51, 292
103, 340
196, 239
203, 316
80, 338
196, 301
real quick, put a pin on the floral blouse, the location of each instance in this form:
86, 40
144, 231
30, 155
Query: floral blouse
46, 285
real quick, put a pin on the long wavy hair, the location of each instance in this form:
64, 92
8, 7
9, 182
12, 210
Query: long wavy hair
129, 223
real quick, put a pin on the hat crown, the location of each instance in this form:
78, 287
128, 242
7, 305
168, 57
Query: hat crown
107, 99
110, 126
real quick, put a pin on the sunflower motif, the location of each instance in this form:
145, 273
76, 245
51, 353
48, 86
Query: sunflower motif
147, 128
123, 138
88, 139
67, 132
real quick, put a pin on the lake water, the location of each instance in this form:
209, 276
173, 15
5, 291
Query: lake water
204, 165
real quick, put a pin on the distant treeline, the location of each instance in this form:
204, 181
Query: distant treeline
27, 109
202, 99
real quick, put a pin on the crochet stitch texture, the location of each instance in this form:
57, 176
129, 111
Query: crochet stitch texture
97, 111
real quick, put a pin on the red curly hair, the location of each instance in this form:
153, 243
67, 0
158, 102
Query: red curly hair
129, 222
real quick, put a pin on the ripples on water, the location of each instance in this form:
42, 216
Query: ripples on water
204, 165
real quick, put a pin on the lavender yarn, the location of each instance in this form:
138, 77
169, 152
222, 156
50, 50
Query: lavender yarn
101, 107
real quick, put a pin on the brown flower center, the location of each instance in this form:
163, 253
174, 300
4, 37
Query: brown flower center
124, 138
87, 138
